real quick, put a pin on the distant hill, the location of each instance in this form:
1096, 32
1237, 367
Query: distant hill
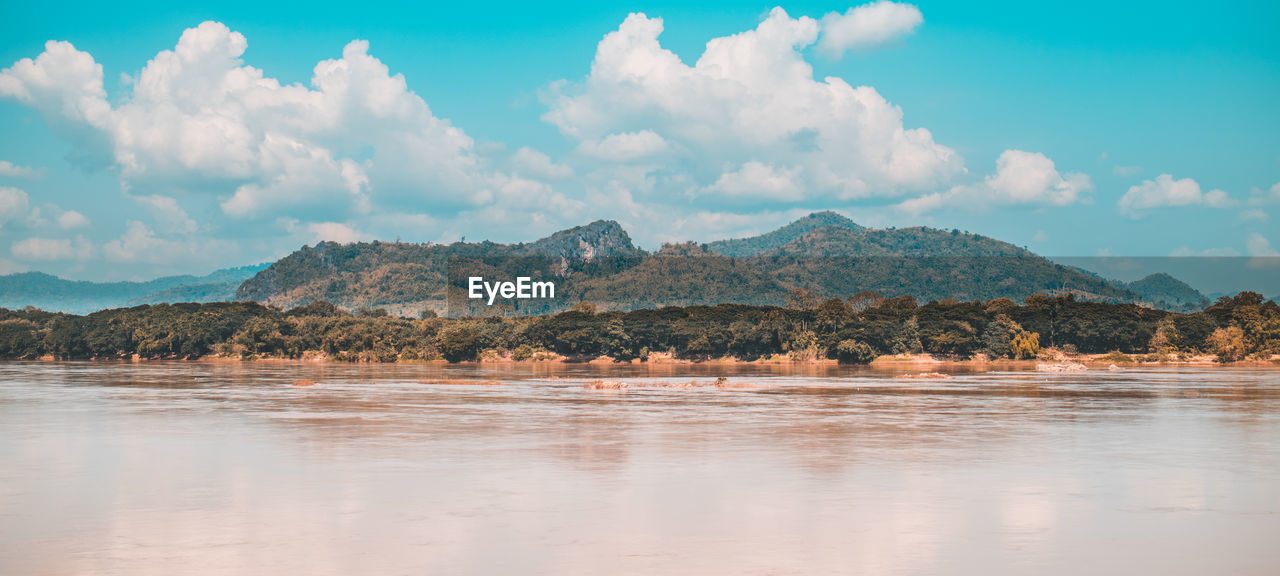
51, 293
910, 242
752, 246
929, 264
598, 263
1165, 291
407, 278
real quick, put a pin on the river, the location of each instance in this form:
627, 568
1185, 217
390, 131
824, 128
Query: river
227, 468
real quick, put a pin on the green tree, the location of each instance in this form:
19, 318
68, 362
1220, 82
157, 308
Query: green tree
854, 352
1228, 343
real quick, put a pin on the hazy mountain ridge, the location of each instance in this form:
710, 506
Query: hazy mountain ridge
1168, 292
49, 292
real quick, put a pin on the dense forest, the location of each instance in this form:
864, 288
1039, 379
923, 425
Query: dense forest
855, 330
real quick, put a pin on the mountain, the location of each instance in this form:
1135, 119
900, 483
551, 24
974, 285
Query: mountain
1165, 291
602, 238
406, 278
755, 245
51, 293
898, 242
824, 253
930, 264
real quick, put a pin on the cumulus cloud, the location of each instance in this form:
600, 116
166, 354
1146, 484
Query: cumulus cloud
198, 131
1254, 215
1031, 177
10, 169
198, 119
1259, 197
308, 181
72, 219
168, 213
52, 249
749, 96
1257, 245
335, 232
140, 245
62, 83
1165, 191
531, 162
867, 26
757, 180
13, 204
1028, 178
625, 146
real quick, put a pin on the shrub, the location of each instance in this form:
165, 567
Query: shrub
1117, 356
1025, 345
854, 352
460, 345
1228, 344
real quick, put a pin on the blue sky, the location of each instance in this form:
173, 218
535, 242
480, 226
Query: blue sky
1075, 129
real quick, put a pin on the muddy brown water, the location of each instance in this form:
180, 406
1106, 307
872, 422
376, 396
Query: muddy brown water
227, 468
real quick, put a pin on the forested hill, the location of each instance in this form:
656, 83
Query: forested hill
1168, 292
910, 242
929, 264
599, 264
407, 278
755, 245
51, 293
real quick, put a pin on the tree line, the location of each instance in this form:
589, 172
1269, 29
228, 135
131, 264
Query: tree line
854, 330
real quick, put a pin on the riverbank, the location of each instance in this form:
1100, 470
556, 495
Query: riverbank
1048, 361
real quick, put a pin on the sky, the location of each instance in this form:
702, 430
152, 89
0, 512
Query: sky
146, 139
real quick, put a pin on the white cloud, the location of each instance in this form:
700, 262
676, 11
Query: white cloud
198, 120
1166, 191
756, 180
1257, 245
1254, 215
1031, 177
1126, 171
1028, 178
72, 219
309, 181
167, 212
10, 169
62, 83
533, 163
1218, 199
626, 146
867, 26
1258, 197
13, 204
52, 249
335, 232
751, 95
140, 244
1183, 252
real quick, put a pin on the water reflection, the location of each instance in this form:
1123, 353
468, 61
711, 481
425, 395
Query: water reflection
227, 468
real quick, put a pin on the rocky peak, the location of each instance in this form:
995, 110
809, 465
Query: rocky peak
585, 243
